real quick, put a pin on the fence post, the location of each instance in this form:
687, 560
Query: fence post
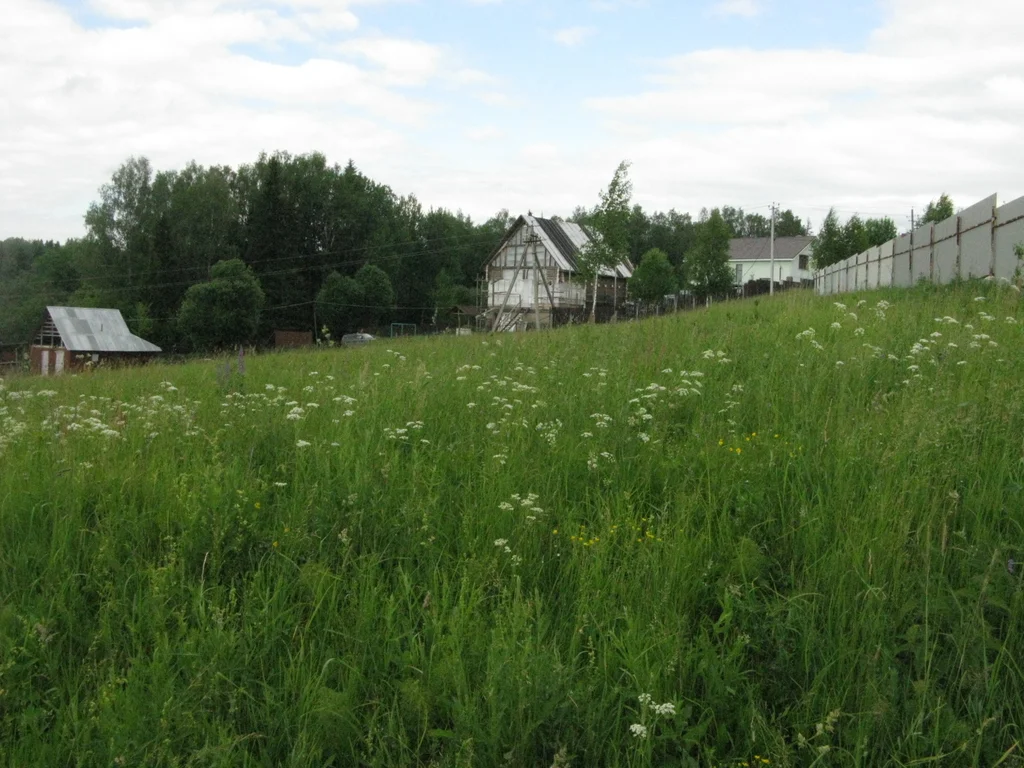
995, 227
959, 247
931, 253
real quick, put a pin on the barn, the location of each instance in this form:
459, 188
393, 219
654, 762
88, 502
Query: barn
532, 276
73, 338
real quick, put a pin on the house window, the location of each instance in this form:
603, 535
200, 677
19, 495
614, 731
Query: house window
803, 261
739, 273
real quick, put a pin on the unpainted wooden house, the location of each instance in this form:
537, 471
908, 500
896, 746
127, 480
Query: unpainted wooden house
532, 275
73, 338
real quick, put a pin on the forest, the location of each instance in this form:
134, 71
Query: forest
303, 228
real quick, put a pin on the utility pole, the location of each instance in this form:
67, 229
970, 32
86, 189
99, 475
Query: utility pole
910, 256
771, 281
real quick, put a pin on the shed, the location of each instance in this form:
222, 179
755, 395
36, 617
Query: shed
466, 315
76, 337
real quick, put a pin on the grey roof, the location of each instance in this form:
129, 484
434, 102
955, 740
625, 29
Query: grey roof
563, 240
759, 248
96, 330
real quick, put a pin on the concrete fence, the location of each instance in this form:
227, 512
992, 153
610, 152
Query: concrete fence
977, 242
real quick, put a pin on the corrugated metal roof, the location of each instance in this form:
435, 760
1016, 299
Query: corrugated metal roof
759, 248
563, 240
84, 329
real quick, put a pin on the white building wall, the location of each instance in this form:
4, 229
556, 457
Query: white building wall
762, 269
527, 288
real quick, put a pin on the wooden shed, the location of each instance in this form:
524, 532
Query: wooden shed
73, 338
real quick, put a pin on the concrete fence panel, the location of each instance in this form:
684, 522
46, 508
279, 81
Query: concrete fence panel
946, 250
885, 264
1009, 233
901, 275
874, 254
976, 239
921, 256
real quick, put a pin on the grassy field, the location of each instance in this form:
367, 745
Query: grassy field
715, 539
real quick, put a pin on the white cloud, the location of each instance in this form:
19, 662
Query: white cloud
935, 102
172, 85
402, 62
745, 8
571, 37
484, 133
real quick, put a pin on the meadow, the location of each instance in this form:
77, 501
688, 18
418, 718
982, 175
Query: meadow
782, 532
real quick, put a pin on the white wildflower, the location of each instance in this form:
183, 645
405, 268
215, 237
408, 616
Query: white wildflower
303, 444
639, 730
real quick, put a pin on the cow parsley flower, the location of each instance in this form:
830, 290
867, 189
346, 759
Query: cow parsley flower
639, 730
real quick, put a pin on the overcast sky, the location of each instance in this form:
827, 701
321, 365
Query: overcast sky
873, 107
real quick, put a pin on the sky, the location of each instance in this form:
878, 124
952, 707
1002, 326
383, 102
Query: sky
872, 107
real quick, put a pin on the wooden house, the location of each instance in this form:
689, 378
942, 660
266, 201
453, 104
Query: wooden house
73, 338
533, 275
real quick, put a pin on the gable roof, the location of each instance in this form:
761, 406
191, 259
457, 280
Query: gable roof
84, 329
563, 240
759, 248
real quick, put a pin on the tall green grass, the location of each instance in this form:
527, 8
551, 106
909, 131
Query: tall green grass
517, 549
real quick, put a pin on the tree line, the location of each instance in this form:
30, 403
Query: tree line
836, 242
309, 245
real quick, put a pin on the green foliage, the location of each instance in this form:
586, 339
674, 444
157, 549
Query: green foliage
224, 311
610, 221
855, 236
339, 304
742, 224
346, 304
448, 294
810, 562
830, 246
880, 231
836, 242
787, 224
938, 210
377, 295
654, 278
707, 264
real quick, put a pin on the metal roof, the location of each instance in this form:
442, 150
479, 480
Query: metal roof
85, 329
563, 240
759, 248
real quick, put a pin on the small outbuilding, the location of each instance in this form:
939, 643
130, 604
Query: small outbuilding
73, 338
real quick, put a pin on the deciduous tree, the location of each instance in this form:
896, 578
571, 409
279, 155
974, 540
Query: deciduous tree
654, 278
938, 210
224, 311
707, 264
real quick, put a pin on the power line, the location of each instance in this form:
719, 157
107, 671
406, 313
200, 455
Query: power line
278, 273
470, 240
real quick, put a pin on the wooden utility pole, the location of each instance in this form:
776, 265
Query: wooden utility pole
547, 289
519, 264
771, 281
